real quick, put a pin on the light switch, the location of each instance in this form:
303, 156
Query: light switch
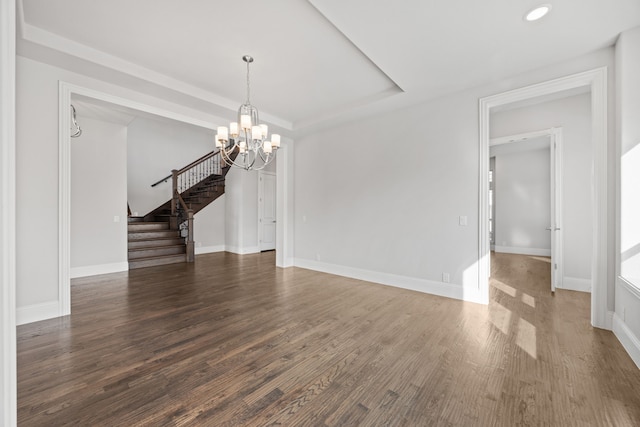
462, 220
116, 218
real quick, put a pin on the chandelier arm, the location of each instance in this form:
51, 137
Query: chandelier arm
227, 158
224, 152
262, 156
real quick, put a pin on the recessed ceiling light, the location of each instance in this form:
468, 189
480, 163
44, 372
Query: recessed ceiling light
537, 12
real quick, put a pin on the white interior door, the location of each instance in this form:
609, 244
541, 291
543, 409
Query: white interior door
267, 210
555, 227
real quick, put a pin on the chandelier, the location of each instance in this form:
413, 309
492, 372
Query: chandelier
245, 144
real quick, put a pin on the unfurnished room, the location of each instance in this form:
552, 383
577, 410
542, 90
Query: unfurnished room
320, 213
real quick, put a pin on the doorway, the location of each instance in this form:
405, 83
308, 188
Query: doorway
596, 82
267, 210
525, 190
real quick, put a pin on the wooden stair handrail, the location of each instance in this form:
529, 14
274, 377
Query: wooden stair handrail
198, 161
189, 166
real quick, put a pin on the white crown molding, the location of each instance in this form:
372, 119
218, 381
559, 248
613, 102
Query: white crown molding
53, 41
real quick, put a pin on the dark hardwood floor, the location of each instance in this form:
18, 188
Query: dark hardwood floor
232, 340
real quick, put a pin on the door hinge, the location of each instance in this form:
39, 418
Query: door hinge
555, 266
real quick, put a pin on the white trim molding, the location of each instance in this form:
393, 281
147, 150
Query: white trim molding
37, 312
449, 290
576, 284
8, 370
596, 81
209, 249
94, 270
523, 251
627, 338
242, 251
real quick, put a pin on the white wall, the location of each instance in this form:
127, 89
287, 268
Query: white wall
626, 324
573, 115
380, 199
241, 211
209, 227
98, 194
155, 147
523, 201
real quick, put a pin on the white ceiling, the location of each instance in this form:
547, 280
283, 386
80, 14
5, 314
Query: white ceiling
315, 60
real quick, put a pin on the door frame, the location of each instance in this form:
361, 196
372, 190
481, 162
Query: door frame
261, 205
596, 81
284, 205
557, 172
8, 367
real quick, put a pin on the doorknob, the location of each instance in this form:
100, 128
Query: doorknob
273, 221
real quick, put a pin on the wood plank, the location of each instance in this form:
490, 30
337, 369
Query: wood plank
232, 340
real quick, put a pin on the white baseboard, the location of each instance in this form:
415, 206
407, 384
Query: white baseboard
421, 285
627, 338
94, 270
243, 251
286, 263
575, 284
37, 312
523, 251
209, 249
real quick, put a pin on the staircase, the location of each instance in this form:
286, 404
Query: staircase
165, 235
154, 243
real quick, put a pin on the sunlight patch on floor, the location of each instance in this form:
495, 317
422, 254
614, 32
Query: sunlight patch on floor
501, 318
526, 337
504, 288
529, 300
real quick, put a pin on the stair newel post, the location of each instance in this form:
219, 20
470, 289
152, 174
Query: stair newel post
174, 200
190, 243
174, 191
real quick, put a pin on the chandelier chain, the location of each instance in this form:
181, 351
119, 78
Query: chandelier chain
248, 84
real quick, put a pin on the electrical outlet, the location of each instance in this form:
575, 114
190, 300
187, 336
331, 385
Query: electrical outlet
446, 278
